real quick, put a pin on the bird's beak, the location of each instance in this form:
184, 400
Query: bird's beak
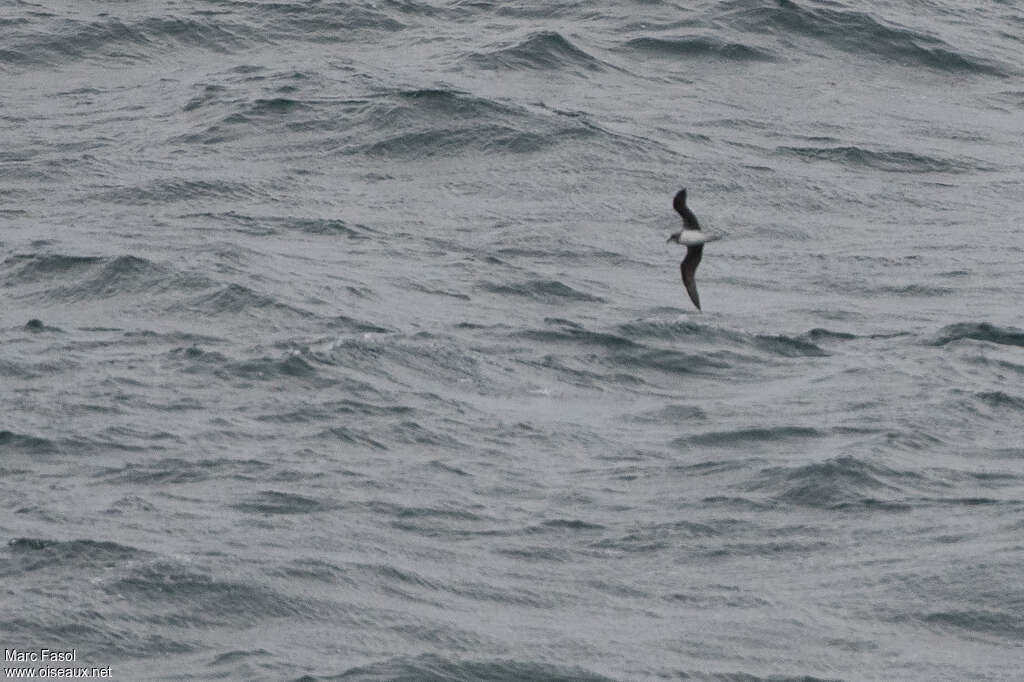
673, 238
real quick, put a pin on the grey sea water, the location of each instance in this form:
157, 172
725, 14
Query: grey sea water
340, 340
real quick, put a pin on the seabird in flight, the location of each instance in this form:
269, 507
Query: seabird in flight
693, 239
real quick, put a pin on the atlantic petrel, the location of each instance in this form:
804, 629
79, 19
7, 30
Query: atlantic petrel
693, 239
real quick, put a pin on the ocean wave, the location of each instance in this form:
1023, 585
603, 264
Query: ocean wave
27, 268
293, 365
308, 568
998, 399
16, 370
145, 336
547, 291
174, 470
168, 592
774, 344
83, 278
675, 361
538, 553
673, 329
787, 346
703, 600
54, 43
887, 161
267, 224
836, 484
545, 51
354, 326
32, 554
855, 32
242, 663
433, 667
451, 512
440, 102
568, 372
336, 408
979, 331
119, 276
559, 525
628, 349
234, 120
352, 436
177, 190
571, 333
427, 123
130, 504
979, 622
698, 47
434, 358
235, 299
432, 122
758, 435
276, 502
22, 442
447, 141
672, 413
913, 290
416, 433
822, 334
325, 22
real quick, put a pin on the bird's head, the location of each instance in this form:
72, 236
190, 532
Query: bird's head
679, 201
675, 237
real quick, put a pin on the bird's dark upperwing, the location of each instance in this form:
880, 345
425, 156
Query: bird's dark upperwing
689, 220
689, 270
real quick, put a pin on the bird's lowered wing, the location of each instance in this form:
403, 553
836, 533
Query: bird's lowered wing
689, 269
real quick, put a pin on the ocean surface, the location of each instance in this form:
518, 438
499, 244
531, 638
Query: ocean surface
342, 341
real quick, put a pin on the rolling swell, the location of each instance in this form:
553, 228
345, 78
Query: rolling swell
118, 276
887, 161
169, 191
740, 437
699, 47
549, 291
455, 142
432, 667
276, 224
998, 399
544, 51
979, 331
276, 502
857, 33
778, 345
166, 591
84, 278
235, 299
404, 124
840, 483
329, 22
174, 471
29, 268
360, 320
23, 442
58, 43
441, 122
668, 347
35, 554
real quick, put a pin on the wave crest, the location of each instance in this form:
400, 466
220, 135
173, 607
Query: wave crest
979, 331
699, 47
544, 51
